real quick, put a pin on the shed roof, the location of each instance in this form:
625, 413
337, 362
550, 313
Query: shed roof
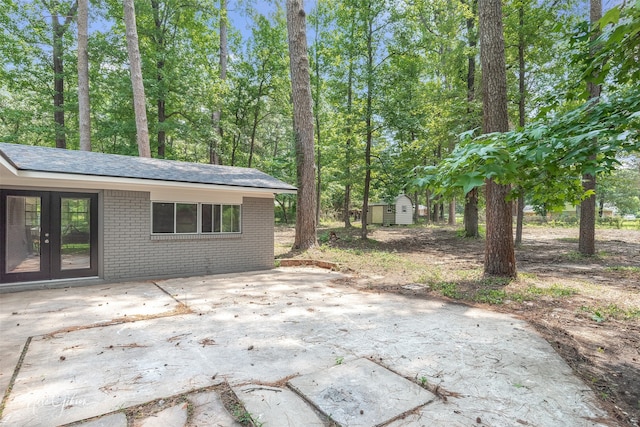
389, 203
84, 163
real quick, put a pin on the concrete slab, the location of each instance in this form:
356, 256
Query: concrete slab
277, 407
31, 313
175, 416
208, 410
266, 327
113, 420
361, 393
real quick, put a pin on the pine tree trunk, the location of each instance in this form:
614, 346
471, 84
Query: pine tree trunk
316, 111
84, 109
348, 148
471, 198
521, 113
139, 103
161, 103
587, 236
369, 128
214, 147
302, 125
499, 249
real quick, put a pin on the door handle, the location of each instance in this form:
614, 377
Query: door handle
46, 240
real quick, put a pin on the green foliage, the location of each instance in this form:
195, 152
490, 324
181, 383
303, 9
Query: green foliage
548, 156
612, 311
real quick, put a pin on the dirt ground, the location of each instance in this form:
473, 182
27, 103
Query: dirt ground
588, 309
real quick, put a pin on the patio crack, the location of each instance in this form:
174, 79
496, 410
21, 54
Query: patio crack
16, 371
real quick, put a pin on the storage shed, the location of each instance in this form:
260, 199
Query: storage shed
69, 215
400, 212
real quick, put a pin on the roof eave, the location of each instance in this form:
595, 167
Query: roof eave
118, 182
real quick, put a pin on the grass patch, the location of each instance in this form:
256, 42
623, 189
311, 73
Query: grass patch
612, 311
491, 296
555, 291
447, 289
493, 291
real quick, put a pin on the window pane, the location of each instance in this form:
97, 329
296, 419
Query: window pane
231, 219
236, 219
216, 218
163, 217
186, 218
207, 218
75, 242
22, 250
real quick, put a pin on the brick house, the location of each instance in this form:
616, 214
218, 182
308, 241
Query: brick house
83, 217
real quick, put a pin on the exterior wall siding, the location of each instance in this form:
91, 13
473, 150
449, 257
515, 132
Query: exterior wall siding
403, 218
130, 251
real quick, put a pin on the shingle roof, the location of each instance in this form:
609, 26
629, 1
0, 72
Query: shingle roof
56, 160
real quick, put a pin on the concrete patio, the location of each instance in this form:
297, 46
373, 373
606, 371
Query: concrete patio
295, 346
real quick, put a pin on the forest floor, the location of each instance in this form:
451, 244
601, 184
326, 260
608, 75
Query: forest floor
587, 308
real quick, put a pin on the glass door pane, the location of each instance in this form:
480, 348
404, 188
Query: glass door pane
23, 230
75, 233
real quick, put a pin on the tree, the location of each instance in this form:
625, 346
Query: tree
302, 124
84, 109
499, 249
471, 198
135, 67
214, 154
587, 236
59, 29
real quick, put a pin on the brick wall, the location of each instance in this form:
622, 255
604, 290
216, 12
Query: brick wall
130, 251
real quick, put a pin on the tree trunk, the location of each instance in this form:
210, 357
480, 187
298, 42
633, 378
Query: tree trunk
84, 109
499, 249
161, 101
347, 153
471, 199
600, 208
587, 236
452, 212
256, 120
416, 208
520, 218
316, 111
284, 210
521, 113
214, 146
135, 67
302, 125
471, 214
58, 30
369, 128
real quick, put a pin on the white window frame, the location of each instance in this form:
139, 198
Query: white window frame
199, 219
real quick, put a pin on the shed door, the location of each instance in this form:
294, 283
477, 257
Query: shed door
48, 235
376, 214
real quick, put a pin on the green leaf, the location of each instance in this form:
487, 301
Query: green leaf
470, 181
611, 17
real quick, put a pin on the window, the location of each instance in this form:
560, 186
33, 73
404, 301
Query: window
163, 214
389, 209
404, 208
194, 218
186, 218
220, 218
